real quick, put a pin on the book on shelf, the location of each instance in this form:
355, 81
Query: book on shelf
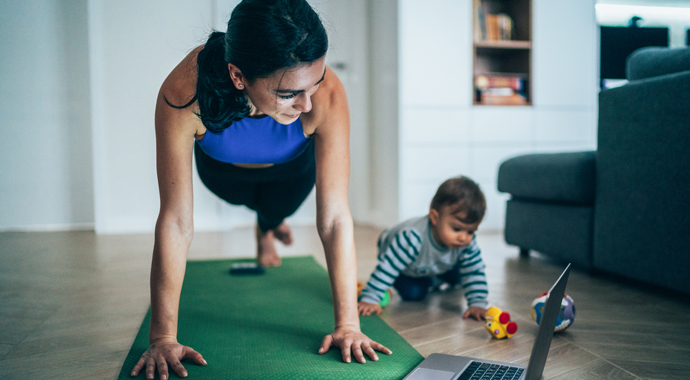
503, 100
487, 81
479, 21
491, 27
499, 27
500, 89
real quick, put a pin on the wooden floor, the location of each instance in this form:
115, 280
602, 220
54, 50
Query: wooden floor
72, 302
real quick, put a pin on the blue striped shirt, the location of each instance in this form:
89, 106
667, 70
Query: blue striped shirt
410, 248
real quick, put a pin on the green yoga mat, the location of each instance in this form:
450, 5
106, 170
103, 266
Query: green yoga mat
269, 326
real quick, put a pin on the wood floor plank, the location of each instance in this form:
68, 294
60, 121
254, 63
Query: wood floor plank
657, 371
564, 358
621, 338
406, 315
598, 369
663, 355
433, 331
67, 339
79, 362
14, 330
4, 349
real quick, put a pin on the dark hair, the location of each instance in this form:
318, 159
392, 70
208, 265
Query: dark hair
464, 195
263, 36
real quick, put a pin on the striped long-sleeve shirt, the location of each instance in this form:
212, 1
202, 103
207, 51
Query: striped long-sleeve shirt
410, 248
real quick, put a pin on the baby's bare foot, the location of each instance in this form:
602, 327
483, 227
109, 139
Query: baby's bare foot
283, 233
266, 255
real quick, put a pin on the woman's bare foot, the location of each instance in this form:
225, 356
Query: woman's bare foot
265, 242
283, 233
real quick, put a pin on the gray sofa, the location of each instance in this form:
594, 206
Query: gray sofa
624, 208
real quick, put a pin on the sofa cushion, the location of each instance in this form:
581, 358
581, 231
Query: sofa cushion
555, 177
654, 61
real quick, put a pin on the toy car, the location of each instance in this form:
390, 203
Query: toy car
498, 323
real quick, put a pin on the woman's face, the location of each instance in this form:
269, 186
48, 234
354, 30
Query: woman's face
286, 94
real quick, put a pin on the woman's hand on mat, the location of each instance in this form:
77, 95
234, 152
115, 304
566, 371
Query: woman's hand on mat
351, 341
366, 308
163, 354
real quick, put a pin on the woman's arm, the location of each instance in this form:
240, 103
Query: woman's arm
334, 222
175, 131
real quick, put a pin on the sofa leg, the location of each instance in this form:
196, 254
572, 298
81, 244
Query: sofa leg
524, 252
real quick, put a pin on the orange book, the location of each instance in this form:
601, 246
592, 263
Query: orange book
498, 100
492, 28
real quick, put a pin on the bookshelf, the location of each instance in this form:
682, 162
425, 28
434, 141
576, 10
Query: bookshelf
502, 52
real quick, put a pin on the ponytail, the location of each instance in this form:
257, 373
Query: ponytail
220, 103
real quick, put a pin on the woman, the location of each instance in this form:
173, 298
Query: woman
246, 105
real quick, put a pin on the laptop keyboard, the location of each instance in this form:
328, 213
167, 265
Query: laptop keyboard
482, 371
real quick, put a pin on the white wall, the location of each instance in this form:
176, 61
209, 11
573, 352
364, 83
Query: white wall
443, 134
383, 113
348, 31
45, 176
134, 46
435, 87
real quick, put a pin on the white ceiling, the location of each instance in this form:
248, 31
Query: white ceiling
654, 3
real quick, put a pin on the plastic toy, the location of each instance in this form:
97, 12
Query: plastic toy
384, 301
566, 317
498, 323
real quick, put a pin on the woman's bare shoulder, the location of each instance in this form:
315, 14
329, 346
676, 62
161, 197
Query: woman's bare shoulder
329, 101
178, 89
180, 85
331, 90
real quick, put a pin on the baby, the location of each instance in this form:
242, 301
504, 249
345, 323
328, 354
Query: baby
434, 249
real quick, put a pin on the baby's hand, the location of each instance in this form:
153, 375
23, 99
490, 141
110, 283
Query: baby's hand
366, 308
475, 312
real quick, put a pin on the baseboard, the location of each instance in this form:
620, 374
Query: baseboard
49, 227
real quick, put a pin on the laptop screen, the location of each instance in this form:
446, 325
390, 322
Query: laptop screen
542, 343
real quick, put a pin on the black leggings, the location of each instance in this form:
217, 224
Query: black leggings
275, 192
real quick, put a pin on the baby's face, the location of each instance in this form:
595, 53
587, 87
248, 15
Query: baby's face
449, 230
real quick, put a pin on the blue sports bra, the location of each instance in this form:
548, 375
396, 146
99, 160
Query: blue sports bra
256, 141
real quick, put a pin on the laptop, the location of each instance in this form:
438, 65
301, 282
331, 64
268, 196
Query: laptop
451, 367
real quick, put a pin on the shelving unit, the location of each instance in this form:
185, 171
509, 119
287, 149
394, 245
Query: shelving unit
502, 52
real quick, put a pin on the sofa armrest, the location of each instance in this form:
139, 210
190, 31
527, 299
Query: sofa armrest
643, 176
556, 177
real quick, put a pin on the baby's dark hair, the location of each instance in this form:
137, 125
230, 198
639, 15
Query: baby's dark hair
464, 195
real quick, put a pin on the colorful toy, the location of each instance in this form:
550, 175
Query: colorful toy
566, 317
498, 323
384, 301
